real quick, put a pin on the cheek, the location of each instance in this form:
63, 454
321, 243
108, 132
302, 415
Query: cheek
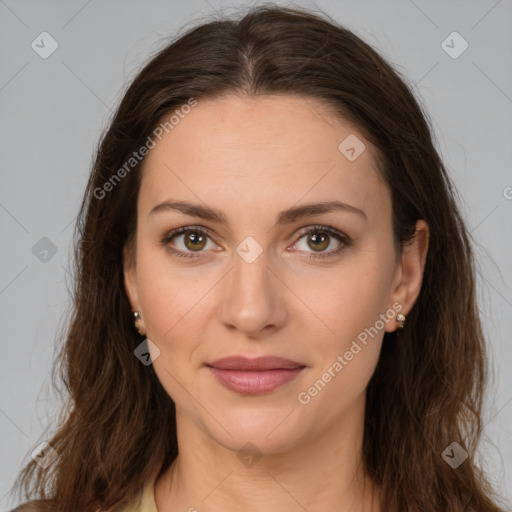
170, 293
345, 355
353, 307
175, 304
175, 316
339, 386
348, 339
345, 301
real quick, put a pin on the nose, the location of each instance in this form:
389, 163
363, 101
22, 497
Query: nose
253, 300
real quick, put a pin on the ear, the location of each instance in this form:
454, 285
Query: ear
130, 278
409, 275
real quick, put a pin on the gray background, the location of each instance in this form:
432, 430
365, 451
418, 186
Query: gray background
53, 111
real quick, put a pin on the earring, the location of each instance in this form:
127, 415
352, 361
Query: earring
138, 321
400, 318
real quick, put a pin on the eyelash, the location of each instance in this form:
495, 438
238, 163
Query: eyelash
341, 237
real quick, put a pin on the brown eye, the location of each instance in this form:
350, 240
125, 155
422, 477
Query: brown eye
321, 242
194, 241
188, 242
318, 242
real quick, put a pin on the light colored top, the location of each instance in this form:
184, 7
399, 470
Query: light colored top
146, 500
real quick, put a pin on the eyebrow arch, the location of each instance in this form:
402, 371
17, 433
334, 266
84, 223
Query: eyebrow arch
284, 217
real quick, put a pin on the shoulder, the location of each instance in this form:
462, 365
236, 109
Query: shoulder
28, 507
39, 506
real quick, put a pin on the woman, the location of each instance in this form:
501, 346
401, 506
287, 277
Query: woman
275, 298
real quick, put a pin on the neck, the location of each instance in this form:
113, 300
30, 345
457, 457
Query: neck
324, 473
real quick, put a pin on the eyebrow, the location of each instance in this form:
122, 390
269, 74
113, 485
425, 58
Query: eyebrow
284, 217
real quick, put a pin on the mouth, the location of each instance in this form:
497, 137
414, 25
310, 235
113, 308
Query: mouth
256, 376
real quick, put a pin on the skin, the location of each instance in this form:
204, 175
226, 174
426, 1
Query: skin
251, 159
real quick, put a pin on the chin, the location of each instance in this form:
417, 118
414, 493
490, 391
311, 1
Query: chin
270, 431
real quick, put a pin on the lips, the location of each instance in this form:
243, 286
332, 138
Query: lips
258, 363
255, 376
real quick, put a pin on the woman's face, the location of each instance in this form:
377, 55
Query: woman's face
252, 282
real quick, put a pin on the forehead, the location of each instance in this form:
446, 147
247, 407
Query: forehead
268, 150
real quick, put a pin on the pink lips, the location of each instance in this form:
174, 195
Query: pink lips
254, 376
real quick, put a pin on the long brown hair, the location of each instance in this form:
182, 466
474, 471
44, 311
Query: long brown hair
118, 425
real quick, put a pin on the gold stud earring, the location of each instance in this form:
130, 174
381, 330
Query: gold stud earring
400, 318
139, 323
